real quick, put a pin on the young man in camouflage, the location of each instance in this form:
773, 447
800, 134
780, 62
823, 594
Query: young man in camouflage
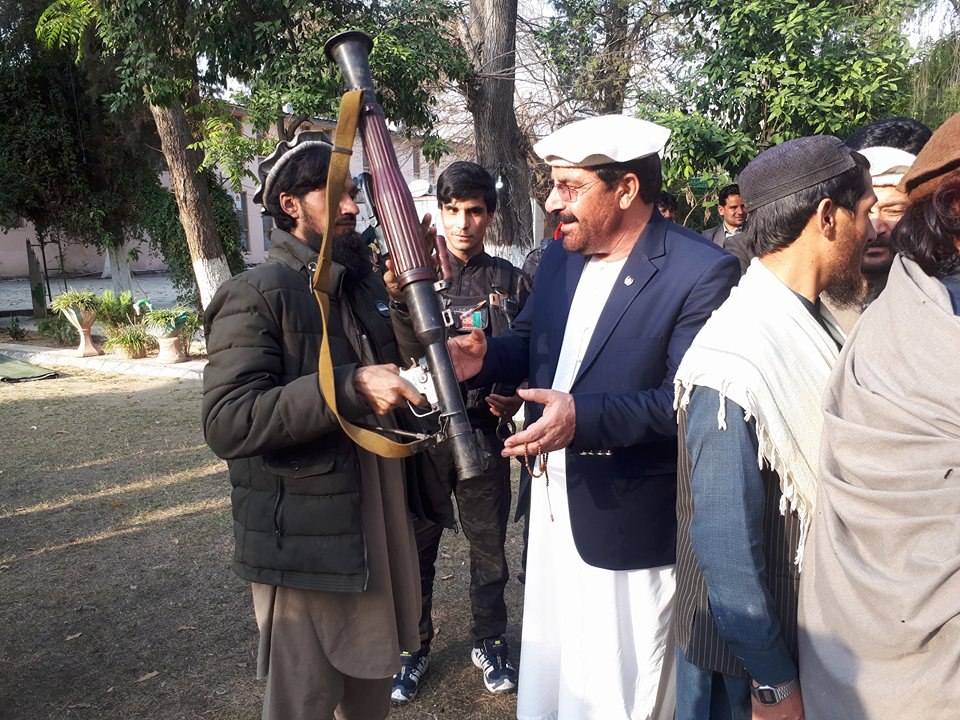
485, 292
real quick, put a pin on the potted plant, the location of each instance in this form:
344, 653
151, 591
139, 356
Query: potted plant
166, 325
130, 341
79, 307
191, 328
116, 310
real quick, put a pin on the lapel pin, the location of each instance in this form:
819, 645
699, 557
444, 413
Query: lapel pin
628, 280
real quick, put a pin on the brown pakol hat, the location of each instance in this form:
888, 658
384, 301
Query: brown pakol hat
941, 155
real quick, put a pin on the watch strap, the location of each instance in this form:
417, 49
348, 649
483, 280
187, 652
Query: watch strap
773, 694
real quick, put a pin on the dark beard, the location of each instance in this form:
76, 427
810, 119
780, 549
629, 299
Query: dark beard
353, 253
848, 287
348, 250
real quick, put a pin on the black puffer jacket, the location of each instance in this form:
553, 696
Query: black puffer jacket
296, 500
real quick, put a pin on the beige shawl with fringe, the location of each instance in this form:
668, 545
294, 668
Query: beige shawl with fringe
880, 594
765, 351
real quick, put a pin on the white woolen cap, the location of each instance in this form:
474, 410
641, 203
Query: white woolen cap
888, 165
602, 140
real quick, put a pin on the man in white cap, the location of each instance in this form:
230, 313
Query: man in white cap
887, 168
614, 307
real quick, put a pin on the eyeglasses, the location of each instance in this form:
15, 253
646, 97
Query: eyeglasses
569, 193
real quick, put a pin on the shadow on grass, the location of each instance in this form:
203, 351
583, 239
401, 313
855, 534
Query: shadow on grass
115, 549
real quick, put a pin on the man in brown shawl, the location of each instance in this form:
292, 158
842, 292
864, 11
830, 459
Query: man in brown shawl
880, 593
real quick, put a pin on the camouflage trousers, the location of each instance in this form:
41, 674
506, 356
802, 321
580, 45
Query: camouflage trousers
483, 505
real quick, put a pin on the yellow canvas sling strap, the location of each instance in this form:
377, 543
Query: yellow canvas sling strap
336, 177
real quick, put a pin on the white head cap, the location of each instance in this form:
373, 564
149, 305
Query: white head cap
887, 165
602, 140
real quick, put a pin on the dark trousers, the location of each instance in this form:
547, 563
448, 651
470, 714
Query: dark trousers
483, 504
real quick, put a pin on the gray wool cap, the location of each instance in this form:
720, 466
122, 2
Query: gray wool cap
793, 166
272, 164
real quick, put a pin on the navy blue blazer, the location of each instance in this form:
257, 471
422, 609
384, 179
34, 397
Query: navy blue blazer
622, 463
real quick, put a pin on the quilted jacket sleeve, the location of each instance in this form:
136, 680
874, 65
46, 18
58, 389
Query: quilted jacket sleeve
252, 401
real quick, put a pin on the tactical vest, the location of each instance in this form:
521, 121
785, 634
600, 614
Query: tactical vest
492, 311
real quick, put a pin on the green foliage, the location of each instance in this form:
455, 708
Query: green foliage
225, 145
58, 328
74, 174
755, 73
189, 330
166, 320
65, 21
116, 310
594, 47
161, 220
414, 52
701, 158
83, 299
778, 70
132, 339
934, 83
15, 330
38, 160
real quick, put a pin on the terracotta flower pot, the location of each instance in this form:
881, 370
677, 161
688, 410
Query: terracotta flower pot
83, 321
171, 349
130, 353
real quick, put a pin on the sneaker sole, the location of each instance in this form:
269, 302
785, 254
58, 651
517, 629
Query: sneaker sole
505, 687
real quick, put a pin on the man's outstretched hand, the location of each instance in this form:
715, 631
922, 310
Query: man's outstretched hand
467, 352
554, 430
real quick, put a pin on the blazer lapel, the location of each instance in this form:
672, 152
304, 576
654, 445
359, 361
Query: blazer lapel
634, 276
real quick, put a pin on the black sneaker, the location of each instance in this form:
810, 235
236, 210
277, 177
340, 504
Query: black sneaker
413, 666
491, 656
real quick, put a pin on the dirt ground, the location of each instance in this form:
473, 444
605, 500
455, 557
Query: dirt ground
116, 595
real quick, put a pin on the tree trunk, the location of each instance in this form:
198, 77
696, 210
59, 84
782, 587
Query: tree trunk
193, 199
614, 71
119, 268
37, 296
490, 37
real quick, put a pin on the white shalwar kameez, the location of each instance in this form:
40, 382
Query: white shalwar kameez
596, 643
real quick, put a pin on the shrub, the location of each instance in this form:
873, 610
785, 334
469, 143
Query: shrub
15, 330
83, 299
165, 320
58, 329
132, 339
116, 311
188, 331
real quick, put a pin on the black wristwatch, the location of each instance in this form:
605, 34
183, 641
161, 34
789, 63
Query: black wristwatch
773, 694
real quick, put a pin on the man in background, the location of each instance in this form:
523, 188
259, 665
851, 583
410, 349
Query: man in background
733, 216
667, 205
890, 146
485, 293
729, 234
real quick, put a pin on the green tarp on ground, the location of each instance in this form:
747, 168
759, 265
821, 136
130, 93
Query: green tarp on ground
17, 371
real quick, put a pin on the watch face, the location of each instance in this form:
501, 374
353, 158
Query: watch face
767, 695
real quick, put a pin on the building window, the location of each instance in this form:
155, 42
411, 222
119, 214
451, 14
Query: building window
240, 200
267, 226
